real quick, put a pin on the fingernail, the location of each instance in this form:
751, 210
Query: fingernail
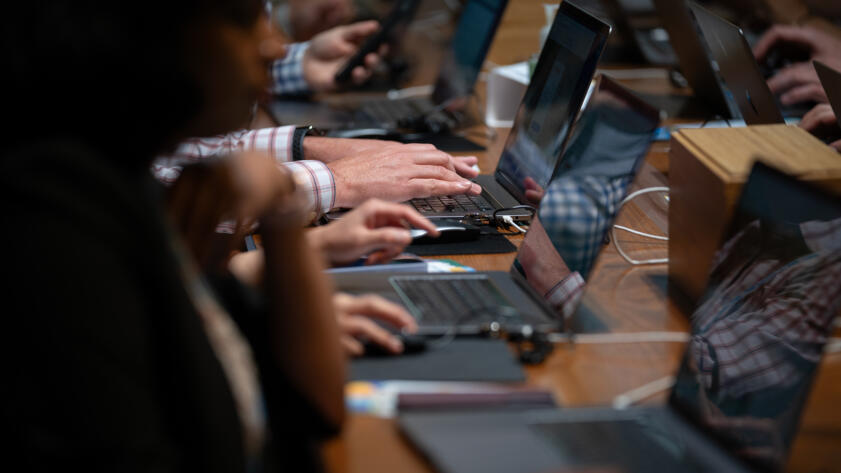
397, 345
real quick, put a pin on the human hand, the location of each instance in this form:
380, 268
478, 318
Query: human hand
534, 193
401, 172
328, 150
799, 82
820, 119
354, 315
310, 17
375, 226
330, 50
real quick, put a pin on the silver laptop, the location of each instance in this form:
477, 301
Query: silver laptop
757, 339
609, 141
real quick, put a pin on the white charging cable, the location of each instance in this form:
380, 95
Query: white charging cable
613, 229
510, 221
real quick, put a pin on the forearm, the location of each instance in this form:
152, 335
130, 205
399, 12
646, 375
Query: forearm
304, 330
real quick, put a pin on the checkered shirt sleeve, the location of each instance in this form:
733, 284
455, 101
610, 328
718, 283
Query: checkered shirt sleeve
314, 178
288, 73
760, 325
577, 212
564, 296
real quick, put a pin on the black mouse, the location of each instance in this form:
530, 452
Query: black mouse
412, 344
451, 232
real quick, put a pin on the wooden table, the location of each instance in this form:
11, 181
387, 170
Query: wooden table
631, 299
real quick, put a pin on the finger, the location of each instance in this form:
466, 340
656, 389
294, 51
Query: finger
837, 146
435, 172
816, 117
804, 93
421, 187
352, 346
792, 76
364, 328
376, 307
359, 75
371, 61
465, 168
779, 34
357, 32
388, 213
388, 238
433, 157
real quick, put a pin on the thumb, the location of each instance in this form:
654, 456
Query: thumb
357, 32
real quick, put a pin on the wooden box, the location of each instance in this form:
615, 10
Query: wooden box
707, 169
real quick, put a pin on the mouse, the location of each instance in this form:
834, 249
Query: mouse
451, 232
412, 344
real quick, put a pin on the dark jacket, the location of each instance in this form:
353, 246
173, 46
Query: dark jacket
106, 364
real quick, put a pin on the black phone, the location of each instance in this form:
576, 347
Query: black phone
401, 14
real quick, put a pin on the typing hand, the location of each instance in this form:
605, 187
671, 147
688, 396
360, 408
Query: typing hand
355, 316
398, 172
328, 150
798, 82
821, 121
376, 228
329, 51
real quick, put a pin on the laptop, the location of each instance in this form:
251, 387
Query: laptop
694, 62
459, 71
610, 139
732, 57
831, 82
532, 150
743, 381
639, 34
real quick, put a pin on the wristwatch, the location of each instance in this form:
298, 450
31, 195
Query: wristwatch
298, 140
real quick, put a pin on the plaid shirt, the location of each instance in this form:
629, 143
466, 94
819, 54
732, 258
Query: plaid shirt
767, 315
314, 178
577, 212
288, 73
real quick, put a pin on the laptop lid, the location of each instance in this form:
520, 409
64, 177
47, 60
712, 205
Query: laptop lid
553, 98
692, 56
731, 55
608, 143
831, 82
758, 333
463, 60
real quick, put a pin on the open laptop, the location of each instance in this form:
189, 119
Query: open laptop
460, 69
553, 98
610, 138
757, 338
733, 58
694, 62
831, 82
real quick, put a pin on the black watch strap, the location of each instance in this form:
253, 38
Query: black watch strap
298, 140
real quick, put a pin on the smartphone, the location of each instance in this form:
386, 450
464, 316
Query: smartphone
401, 14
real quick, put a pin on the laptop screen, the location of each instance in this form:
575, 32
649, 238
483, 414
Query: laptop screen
608, 142
552, 100
758, 332
470, 43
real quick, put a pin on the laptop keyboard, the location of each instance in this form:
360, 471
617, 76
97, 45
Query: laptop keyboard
450, 300
453, 203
